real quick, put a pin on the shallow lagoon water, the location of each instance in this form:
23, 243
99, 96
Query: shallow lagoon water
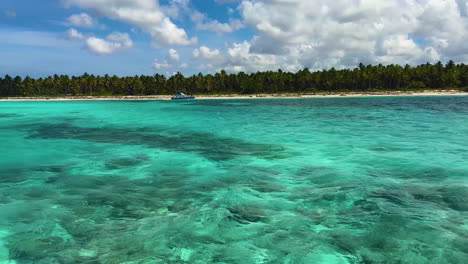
329, 180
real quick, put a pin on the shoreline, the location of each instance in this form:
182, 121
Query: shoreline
242, 96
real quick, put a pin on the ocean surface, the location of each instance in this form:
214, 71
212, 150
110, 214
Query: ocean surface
327, 180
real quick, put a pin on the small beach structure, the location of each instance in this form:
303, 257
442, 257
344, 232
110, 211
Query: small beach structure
182, 96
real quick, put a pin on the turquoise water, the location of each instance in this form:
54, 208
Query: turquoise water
344, 180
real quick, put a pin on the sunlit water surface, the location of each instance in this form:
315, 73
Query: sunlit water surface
359, 180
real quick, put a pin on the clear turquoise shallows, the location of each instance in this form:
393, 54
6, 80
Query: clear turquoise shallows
328, 180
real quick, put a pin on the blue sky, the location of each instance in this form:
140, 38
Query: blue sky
134, 37
33, 41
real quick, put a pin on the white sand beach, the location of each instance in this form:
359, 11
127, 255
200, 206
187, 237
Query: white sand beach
244, 96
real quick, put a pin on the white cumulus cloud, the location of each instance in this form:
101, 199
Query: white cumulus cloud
146, 14
81, 20
161, 65
113, 43
202, 22
173, 56
206, 53
293, 34
73, 34
238, 58
171, 61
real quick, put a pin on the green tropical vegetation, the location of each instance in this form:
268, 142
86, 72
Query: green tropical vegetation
361, 79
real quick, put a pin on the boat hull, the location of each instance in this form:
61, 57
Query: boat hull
183, 98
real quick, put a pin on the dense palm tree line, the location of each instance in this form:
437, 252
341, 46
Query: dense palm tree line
362, 78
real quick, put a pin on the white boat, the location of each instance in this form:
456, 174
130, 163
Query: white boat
182, 96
